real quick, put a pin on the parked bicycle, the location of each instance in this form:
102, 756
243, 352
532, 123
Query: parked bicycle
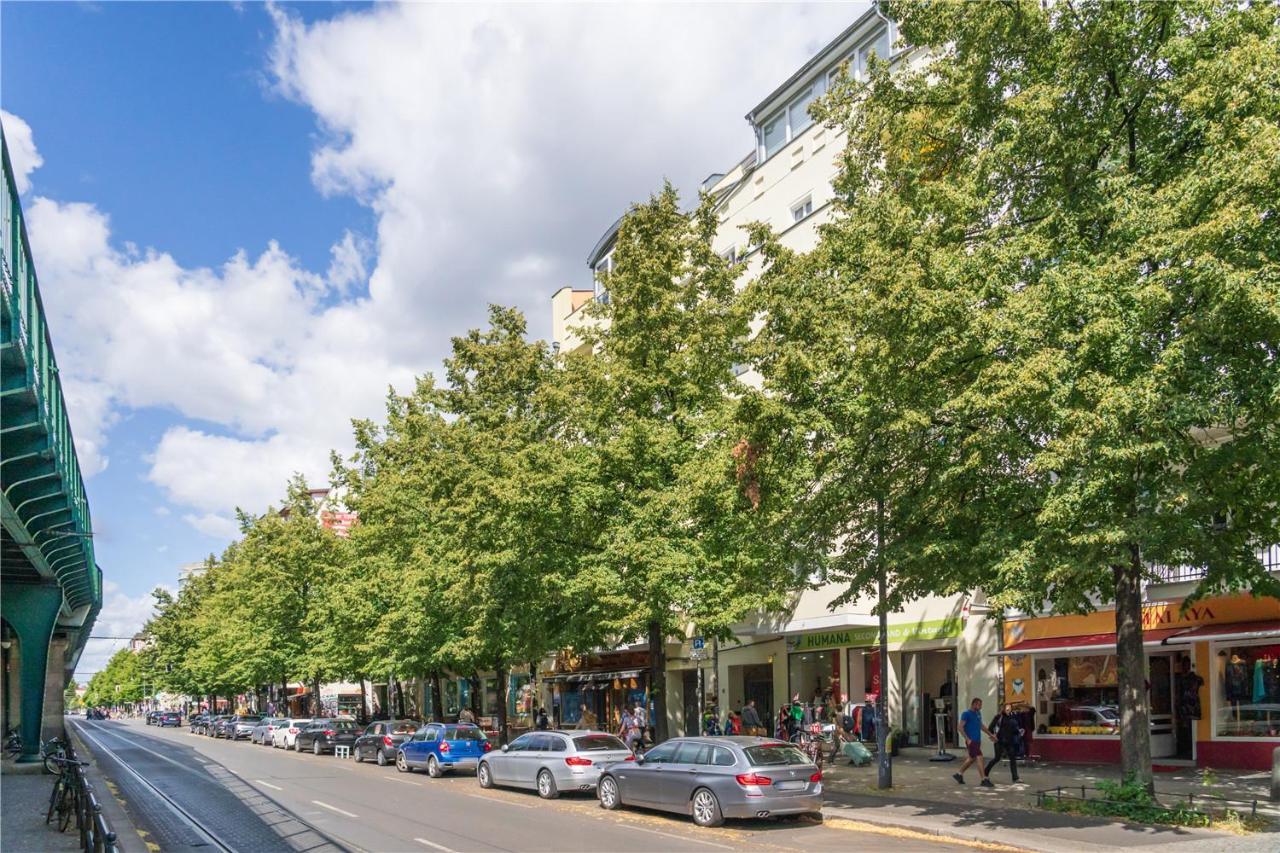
51, 749
13, 742
815, 741
65, 799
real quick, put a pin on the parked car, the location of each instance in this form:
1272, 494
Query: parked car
221, 725
437, 747
169, 718
196, 722
211, 723
287, 733
711, 779
262, 731
150, 717
551, 762
323, 735
241, 726
1098, 716
380, 740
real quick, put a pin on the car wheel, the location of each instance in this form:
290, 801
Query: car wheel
382, 758
706, 808
315, 747
297, 746
547, 785
355, 753
483, 776
401, 764
433, 768
607, 791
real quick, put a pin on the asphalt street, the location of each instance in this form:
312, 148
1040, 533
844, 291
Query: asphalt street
189, 792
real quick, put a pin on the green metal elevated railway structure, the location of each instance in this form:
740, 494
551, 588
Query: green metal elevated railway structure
50, 584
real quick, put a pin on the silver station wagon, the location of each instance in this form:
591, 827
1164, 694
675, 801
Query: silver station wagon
714, 778
554, 761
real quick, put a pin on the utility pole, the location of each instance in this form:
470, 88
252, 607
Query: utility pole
884, 766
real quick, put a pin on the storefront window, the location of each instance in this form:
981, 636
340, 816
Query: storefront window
451, 705
1078, 694
815, 677
489, 701
520, 700
1248, 691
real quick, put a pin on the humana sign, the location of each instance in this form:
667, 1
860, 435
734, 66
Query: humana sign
869, 635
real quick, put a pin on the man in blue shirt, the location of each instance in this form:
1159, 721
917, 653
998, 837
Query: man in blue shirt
971, 729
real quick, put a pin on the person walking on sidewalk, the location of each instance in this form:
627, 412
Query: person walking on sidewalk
971, 728
1006, 732
751, 719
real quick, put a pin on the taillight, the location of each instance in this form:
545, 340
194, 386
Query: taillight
629, 758
292, 731
487, 746
577, 761
816, 777
330, 732
745, 779
444, 746
386, 741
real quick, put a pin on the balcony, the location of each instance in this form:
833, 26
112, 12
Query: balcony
1269, 557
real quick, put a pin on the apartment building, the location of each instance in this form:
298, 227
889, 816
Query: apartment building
940, 648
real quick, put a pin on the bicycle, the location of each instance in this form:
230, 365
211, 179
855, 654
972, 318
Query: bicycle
13, 742
52, 750
65, 798
814, 742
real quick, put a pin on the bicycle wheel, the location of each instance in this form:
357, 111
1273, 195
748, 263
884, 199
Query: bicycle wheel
53, 799
68, 808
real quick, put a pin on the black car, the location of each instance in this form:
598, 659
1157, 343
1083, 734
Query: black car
151, 717
196, 722
169, 718
217, 726
322, 736
380, 740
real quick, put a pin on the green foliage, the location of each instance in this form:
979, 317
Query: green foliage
119, 682
1132, 801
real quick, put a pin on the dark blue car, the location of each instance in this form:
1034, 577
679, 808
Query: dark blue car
437, 747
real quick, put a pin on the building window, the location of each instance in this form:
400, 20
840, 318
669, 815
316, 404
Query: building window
1078, 695
799, 110
1247, 688
802, 209
601, 271
773, 135
815, 676
731, 255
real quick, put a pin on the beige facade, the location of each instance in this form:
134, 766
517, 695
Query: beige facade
941, 647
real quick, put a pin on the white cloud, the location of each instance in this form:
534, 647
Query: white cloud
492, 144
121, 616
22, 150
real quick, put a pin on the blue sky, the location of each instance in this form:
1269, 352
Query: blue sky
249, 220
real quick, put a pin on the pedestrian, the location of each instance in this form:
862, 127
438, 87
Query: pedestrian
624, 724
641, 721
971, 728
751, 724
632, 731
1007, 733
466, 715
542, 723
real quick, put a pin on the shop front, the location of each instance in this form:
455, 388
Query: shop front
1212, 675
590, 692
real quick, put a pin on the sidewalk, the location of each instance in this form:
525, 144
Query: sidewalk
25, 790
926, 798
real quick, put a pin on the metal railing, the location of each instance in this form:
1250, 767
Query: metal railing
1269, 557
1168, 802
96, 835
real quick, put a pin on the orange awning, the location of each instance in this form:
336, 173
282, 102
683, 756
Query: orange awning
1085, 643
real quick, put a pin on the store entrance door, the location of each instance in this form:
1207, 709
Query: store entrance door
1164, 741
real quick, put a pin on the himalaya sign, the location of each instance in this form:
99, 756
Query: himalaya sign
869, 635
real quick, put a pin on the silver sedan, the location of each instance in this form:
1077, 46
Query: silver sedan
551, 762
713, 778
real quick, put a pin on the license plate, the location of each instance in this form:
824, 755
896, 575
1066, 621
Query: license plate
795, 785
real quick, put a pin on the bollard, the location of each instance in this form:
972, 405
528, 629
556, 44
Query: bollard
1275, 775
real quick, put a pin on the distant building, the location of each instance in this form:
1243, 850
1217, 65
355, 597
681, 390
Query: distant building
140, 641
188, 571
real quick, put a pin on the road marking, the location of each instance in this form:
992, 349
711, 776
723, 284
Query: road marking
334, 809
434, 845
268, 785
679, 837
499, 800
406, 781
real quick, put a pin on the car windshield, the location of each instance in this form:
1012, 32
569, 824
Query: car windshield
405, 728
345, 726
775, 755
466, 733
1108, 713
597, 743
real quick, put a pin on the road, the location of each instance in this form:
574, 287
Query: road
253, 799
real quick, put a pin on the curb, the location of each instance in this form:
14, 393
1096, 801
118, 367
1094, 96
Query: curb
852, 813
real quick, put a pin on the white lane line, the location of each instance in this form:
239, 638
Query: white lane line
406, 781
435, 846
334, 809
678, 837
268, 785
498, 800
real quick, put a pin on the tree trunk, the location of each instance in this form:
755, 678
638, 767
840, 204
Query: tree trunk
283, 708
884, 762
363, 716
1135, 711
657, 681
474, 698
316, 709
400, 712
437, 697
501, 671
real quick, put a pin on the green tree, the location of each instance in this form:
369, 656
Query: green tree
1059, 234
655, 397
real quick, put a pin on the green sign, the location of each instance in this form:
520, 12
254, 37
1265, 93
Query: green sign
869, 635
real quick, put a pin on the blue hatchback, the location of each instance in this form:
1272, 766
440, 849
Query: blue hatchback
437, 747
